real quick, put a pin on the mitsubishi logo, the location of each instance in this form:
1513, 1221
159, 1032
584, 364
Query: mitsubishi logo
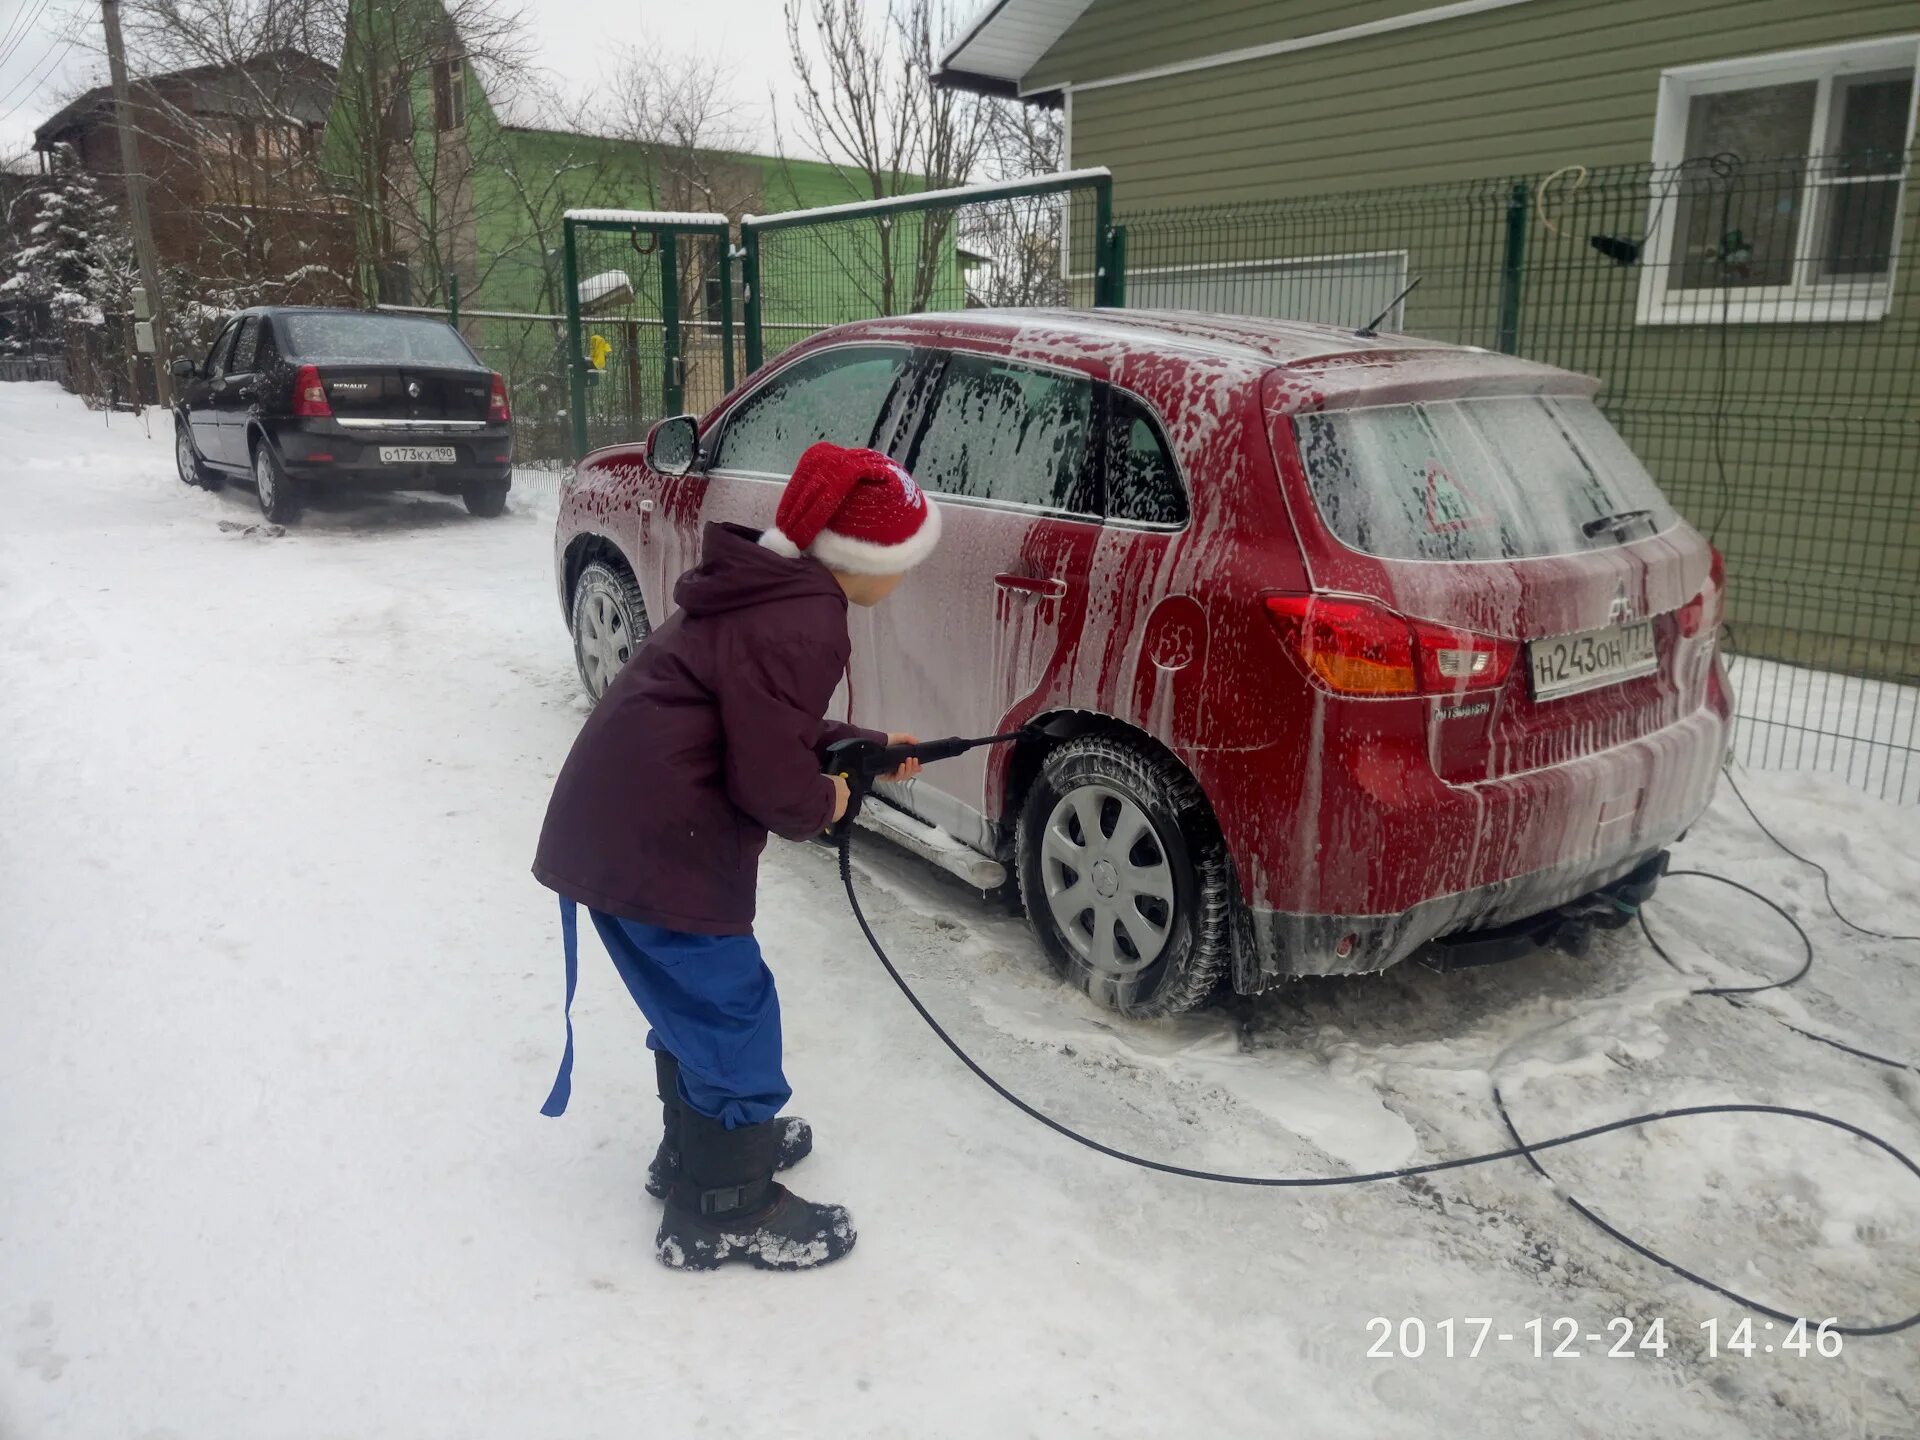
1622, 607
413, 389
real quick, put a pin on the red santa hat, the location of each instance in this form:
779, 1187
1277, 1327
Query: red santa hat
854, 510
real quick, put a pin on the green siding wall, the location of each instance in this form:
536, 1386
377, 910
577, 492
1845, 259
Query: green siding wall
1820, 505
1525, 88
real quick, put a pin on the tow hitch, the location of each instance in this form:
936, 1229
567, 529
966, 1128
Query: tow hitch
1568, 928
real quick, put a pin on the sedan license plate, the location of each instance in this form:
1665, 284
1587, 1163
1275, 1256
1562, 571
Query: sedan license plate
416, 454
1568, 664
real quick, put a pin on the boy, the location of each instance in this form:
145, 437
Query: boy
705, 742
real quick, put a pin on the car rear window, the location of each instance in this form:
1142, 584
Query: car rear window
391, 338
1477, 479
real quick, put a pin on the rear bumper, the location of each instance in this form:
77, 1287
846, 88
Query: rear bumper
1559, 908
323, 453
1497, 862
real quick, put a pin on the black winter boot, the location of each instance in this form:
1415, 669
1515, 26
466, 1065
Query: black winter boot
725, 1205
796, 1136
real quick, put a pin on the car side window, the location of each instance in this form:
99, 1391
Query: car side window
836, 395
217, 352
1142, 481
1001, 431
267, 356
246, 346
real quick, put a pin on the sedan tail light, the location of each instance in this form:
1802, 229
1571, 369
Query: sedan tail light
310, 395
497, 409
1359, 647
1701, 615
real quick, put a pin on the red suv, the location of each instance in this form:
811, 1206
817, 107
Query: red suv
1370, 647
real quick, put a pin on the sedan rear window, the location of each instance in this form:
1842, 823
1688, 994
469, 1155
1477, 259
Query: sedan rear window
392, 338
1478, 479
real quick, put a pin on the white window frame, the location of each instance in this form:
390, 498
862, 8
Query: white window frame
1661, 304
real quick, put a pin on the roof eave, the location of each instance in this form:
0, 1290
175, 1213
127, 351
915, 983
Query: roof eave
999, 86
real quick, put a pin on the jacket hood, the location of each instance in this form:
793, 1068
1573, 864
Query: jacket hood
736, 572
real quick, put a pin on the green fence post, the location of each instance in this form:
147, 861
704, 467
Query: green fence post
576, 362
453, 301
1117, 287
671, 388
1103, 242
750, 279
726, 310
1513, 267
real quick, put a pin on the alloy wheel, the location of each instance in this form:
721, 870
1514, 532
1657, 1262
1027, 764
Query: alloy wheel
1107, 880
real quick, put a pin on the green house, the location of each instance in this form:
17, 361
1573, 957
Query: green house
1706, 204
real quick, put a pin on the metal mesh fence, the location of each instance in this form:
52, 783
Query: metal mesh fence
1758, 343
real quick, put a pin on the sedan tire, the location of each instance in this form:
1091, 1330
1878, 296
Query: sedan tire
1124, 876
279, 497
187, 461
486, 498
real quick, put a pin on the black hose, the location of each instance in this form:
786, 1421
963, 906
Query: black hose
1520, 1148
1826, 880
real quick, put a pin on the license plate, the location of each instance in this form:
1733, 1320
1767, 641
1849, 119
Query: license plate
1568, 664
416, 454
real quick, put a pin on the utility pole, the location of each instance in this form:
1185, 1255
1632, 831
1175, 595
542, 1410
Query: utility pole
136, 180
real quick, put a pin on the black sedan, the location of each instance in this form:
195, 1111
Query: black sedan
298, 399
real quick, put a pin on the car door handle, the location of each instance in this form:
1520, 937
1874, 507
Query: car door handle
1032, 585
246, 392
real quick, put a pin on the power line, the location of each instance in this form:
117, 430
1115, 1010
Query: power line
18, 31
55, 59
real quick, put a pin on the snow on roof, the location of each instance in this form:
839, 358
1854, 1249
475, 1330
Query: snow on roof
603, 285
649, 217
959, 195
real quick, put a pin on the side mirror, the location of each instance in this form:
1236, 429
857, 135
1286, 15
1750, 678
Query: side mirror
184, 369
674, 445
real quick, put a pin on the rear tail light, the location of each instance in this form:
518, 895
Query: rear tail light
1360, 647
310, 395
497, 410
1701, 615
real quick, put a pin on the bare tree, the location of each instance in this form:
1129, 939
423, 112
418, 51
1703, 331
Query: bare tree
1020, 240
684, 120
867, 105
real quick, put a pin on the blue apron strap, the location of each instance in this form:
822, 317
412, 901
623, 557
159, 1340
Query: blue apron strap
570, 941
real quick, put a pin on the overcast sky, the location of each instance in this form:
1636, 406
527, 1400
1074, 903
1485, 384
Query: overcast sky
51, 49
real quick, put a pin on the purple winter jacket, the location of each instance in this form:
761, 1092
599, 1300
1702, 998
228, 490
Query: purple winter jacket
704, 742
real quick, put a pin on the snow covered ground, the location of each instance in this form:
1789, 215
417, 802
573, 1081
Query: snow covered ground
279, 1003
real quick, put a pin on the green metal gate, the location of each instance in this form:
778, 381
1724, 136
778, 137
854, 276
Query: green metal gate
1041, 240
650, 323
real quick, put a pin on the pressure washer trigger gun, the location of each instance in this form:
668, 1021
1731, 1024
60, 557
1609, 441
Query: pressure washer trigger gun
861, 762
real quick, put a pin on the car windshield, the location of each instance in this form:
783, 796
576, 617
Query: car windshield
321, 335
1478, 479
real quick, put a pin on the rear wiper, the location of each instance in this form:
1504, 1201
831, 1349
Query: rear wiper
1618, 521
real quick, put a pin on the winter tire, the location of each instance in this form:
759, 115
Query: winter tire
187, 460
1124, 876
609, 622
486, 499
279, 499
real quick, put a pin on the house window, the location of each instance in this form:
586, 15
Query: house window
1777, 186
449, 94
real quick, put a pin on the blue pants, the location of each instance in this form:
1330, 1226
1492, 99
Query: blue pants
712, 1005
